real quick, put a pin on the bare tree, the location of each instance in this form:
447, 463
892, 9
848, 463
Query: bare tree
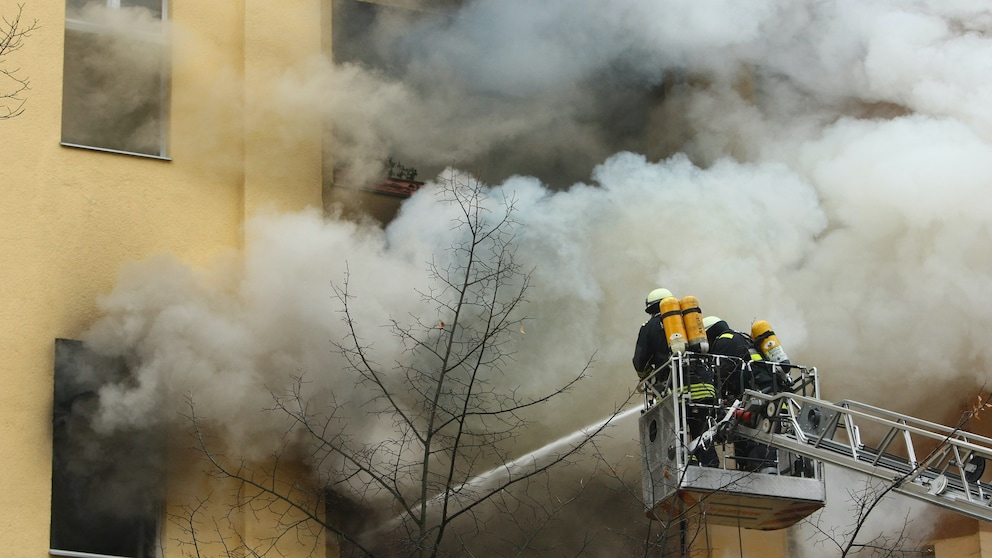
450, 469
12, 86
849, 539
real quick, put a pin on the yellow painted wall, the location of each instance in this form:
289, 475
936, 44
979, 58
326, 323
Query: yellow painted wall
729, 541
70, 218
974, 545
958, 547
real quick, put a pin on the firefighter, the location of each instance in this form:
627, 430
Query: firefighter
734, 377
651, 353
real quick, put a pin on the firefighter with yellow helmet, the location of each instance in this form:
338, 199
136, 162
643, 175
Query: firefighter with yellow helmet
652, 351
734, 378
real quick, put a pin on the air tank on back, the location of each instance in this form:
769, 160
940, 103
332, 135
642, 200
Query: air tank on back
671, 319
766, 340
692, 318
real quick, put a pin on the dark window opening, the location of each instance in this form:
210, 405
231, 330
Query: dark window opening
106, 487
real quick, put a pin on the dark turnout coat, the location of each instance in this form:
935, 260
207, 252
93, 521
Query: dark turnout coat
651, 348
733, 378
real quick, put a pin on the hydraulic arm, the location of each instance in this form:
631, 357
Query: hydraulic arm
923, 460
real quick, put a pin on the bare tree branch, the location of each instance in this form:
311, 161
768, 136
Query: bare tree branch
864, 501
12, 34
444, 467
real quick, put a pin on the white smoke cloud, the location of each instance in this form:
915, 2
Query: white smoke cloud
831, 175
233, 335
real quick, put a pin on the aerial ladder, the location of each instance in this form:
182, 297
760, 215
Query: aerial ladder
922, 460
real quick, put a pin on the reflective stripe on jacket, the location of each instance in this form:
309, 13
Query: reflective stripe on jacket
699, 391
752, 352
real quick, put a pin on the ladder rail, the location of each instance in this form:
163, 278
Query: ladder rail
946, 476
954, 436
913, 421
959, 501
923, 460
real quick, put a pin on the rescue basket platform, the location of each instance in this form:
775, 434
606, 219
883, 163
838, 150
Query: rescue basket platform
926, 461
673, 487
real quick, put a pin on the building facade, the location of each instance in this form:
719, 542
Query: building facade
147, 129
141, 138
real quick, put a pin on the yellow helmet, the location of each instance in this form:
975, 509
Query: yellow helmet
655, 296
710, 320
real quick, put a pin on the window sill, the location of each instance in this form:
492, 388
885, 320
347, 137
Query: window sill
74, 554
117, 151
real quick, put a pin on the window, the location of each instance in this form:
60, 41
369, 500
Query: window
106, 488
115, 88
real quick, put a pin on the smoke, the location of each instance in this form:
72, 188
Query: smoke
821, 165
112, 85
231, 336
900, 524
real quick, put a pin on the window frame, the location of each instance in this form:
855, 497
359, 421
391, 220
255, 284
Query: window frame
78, 374
165, 91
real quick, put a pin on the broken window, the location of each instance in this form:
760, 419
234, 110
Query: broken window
115, 89
106, 486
